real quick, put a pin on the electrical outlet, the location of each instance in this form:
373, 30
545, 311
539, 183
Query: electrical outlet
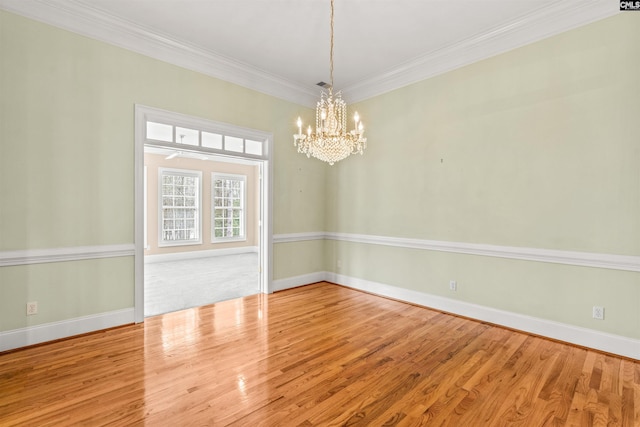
453, 286
32, 308
339, 264
598, 312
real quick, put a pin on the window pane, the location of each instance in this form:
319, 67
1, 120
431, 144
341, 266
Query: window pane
253, 147
228, 200
212, 140
180, 213
159, 132
231, 143
186, 136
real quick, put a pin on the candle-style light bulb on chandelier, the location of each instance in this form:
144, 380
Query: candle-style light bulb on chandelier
331, 141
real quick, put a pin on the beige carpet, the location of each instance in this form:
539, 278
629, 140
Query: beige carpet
177, 285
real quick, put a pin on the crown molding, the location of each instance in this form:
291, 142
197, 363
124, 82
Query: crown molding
83, 19
80, 18
545, 22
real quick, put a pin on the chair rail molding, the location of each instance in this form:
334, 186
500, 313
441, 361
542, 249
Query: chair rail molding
299, 237
583, 259
40, 256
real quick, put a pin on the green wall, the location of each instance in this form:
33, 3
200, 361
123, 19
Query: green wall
67, 162
536, 148
64, 290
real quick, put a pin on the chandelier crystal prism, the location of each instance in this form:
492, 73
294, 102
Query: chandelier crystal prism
331, 141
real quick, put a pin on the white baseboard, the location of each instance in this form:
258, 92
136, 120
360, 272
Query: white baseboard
31, 335
294, 282
181, 256
615, 344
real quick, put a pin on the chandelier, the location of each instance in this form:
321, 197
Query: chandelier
331, 141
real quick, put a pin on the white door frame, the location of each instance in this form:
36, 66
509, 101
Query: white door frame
142, 114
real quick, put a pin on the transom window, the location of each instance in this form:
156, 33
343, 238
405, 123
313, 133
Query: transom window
213, 140
228, 199
179, 204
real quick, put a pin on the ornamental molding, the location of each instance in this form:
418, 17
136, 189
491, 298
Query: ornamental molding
81, 18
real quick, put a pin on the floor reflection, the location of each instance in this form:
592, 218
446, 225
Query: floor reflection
211, 357
181, 329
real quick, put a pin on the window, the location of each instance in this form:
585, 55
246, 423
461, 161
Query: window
179, 207
215, 138
228, 207
159, 132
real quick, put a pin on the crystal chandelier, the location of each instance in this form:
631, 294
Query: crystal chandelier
331, 141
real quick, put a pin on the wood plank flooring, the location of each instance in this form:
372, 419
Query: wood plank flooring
320, 355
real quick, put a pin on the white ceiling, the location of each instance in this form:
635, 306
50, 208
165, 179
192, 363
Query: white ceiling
281, 47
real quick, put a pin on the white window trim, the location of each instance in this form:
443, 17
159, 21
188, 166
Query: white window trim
265, 226
146, 240
185, 172
243, 178
223, 129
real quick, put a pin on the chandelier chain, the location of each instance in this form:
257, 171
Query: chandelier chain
331, 141
331, 49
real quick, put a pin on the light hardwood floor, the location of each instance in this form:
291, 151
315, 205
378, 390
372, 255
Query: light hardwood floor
320, 355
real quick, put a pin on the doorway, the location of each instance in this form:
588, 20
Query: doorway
201, 209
